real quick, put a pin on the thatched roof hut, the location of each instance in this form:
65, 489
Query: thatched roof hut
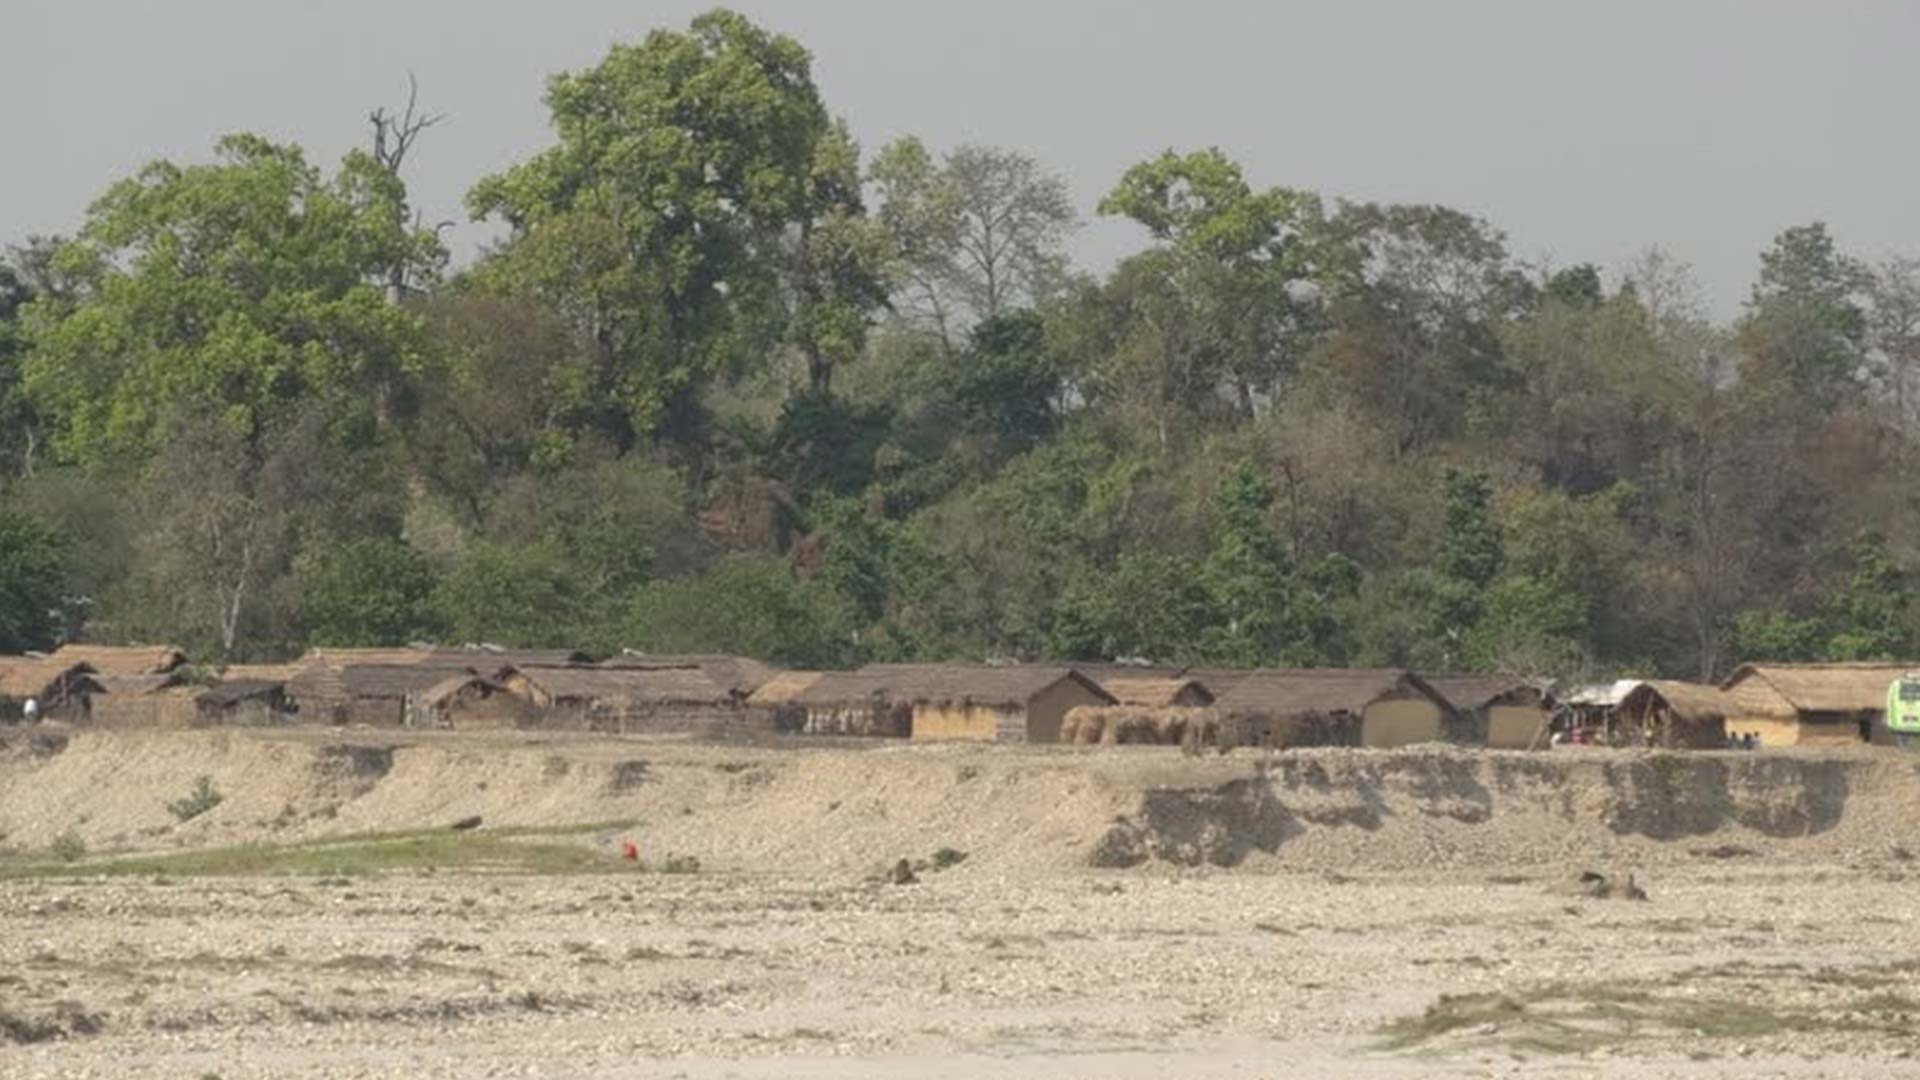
1679, 714
119, 660
56, 686
1353, 707
1158, 693
949, 701
1793, 704
1495, 710
644, 699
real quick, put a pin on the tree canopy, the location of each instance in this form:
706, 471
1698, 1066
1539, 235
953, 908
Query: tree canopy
729, 382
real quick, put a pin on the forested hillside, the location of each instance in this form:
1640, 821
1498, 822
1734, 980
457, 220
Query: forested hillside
732, 382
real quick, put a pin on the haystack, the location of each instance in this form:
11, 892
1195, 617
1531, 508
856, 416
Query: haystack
123, 660
1088, 725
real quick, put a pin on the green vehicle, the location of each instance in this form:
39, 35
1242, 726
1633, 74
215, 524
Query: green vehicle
1903, 709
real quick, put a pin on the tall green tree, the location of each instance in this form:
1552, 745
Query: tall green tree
249, 289
1806, 320
1221, 294
375, 592
33, 576
699, 196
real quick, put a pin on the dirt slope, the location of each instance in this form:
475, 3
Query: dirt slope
837, 810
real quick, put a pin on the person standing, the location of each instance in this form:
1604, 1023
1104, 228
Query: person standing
31, 710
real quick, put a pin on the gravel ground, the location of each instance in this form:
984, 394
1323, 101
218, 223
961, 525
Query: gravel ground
1736, 966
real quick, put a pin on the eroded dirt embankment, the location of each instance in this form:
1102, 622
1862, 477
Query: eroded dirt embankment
840, 809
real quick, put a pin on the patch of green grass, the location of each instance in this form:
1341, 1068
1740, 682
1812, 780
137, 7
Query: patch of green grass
947, 857
1575, 1018
522, 850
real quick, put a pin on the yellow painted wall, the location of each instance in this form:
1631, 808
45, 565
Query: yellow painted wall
1400, 722
956, 722
1513, 727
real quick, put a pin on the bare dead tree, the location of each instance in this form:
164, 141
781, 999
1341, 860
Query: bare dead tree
393, 138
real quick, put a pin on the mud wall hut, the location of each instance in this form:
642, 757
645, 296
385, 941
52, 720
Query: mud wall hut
1336, 707
1811, 704
1497, 712
987, 703
1679, 715
60, 689
633, 700
775, 706
245, 703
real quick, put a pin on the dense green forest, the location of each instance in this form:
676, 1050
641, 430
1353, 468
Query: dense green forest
729, 381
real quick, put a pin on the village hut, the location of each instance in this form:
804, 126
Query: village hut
1811, 704
774, 705
1589, 713
737, 675
59, 689
1330, 707
852, 703
245, 703
116, 661
1014, 703
1494, 711
388, 695
162, 700
465, 701
1678, 715
630, 700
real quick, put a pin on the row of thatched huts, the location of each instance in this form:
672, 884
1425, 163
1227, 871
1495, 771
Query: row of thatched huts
482, 687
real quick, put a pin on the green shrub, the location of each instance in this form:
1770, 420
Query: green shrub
198, 801
947, 857
680, 864
68, 847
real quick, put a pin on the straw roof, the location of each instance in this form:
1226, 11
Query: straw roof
782, 688
1003, 687
134, 685
340, 658
1469, 692
273, 673
1276, 692
392, 681
1691, 702
1219, 681
453, 686
493, 655
738, 675
1787, 689
1215, 680
31, 676
1157, 693
639, 686
123, 659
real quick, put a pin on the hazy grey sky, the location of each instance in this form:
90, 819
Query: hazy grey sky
1588, 131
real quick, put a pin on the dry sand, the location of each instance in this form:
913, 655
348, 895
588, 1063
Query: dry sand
1335, 913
